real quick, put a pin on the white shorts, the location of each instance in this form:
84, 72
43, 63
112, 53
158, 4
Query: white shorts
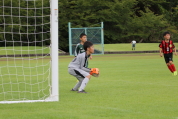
78, 73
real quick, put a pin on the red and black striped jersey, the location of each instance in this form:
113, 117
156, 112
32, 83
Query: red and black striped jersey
167, 47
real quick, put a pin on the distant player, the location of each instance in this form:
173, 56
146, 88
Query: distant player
167, 47
133, 44
78, 68
79, 47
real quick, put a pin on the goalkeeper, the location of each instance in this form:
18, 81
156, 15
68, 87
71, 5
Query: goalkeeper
78, 68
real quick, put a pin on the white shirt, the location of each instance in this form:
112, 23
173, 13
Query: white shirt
133, 42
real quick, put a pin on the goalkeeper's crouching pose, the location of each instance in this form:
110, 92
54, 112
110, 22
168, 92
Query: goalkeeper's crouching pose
79, 69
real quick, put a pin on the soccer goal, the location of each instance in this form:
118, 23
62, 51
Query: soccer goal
28, 51
94, 34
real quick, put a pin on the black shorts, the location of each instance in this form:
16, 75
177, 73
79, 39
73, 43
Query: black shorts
168, 57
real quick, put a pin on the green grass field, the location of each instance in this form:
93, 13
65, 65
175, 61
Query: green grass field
132, 86
107, 47
128, 47
26, 76
24, 50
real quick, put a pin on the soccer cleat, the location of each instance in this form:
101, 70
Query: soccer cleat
83, 91
73, 90
175, 73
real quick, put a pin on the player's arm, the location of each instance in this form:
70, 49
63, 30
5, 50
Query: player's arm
160, 52
86, 69
93, 71
175, 51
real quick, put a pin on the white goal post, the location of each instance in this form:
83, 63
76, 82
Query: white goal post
29, 51
54, 39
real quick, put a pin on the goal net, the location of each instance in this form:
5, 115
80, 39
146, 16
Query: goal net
28, 51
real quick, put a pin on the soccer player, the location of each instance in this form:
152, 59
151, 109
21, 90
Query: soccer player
78, 68
79, 47
133, 44
167, 47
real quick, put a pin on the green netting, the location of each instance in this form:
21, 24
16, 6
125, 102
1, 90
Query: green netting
94, 34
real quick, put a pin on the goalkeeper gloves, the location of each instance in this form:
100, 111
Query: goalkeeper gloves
94, 72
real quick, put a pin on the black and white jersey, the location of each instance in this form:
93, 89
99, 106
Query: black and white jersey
79, 49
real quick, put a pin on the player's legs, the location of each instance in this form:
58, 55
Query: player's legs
172, 64
75, 88
169, 67
173, 68
166, 58
84, 83
133, 46
82, 76
169, 63
86, 77
80, 79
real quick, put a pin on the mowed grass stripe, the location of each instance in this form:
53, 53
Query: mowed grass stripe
128, 47
107, 47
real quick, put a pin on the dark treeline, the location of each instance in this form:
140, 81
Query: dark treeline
124, 20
